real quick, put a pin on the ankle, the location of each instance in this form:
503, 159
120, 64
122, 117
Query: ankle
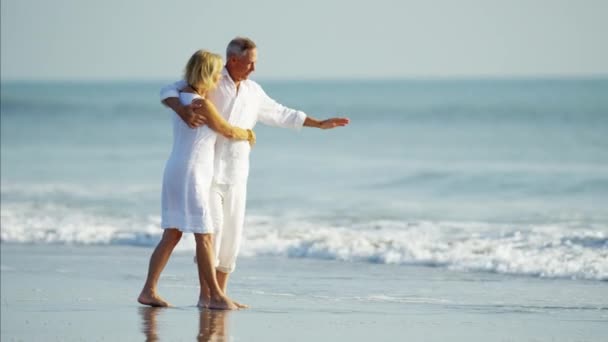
149, 292
218, 297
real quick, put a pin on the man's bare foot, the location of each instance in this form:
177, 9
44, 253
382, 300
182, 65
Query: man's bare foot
152, 300
222, 303
241, 306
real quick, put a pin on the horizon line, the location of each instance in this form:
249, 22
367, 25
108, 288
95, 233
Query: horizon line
531, 77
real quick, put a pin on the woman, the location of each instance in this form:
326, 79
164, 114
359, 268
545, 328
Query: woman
186, 183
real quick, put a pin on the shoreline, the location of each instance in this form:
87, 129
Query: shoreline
89, 292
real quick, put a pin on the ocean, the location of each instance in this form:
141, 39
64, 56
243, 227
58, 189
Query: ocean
471, 176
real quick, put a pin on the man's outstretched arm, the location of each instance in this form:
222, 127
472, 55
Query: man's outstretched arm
327, 123
275, 114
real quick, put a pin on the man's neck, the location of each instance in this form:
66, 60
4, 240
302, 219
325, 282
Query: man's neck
237, 83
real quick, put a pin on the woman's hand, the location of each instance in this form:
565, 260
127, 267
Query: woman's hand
251, 138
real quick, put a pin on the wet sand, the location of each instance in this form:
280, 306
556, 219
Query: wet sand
64, 293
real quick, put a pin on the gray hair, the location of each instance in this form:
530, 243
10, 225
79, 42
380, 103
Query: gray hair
239, 47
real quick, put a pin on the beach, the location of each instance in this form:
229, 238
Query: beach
422, 171
465, 210
78, 293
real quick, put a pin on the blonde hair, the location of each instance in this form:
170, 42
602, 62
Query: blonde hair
201, 68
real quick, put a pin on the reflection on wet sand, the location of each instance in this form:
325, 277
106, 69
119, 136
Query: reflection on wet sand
212, 324
149, 324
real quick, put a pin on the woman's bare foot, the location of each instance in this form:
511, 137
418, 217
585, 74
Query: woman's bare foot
221, 303
203, 302
152, 300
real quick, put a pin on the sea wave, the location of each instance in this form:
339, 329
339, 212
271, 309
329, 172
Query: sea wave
537, 250
541, 250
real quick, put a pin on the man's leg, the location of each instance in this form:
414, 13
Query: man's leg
222, 280
158, 261
206, 273
234, 219
216, 210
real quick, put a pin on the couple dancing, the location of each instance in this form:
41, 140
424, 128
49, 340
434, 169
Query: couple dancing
205, 179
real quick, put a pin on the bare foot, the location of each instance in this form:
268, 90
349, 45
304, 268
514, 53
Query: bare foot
152, 300
241, 306
222, 303
203, 302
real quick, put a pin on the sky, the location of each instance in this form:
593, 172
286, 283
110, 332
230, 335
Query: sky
306, 39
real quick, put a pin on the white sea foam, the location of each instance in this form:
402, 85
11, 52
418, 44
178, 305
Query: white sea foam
540, 250
407, 300
537, 250
47, 223
75, 191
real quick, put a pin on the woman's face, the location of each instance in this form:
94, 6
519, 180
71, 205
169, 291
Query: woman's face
216, 78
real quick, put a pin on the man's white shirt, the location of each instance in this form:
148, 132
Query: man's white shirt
241, 109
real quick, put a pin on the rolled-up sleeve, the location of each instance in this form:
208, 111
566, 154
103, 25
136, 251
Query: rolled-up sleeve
275, 114
171, 90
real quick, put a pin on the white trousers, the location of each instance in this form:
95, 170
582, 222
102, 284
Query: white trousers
227, 209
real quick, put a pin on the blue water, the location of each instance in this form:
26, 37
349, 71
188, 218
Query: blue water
507, 176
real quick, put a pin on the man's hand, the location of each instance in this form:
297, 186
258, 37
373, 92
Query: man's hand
326, 124
333, 123
191, 114
191, 117
187, 113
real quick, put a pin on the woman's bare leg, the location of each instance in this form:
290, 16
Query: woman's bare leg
158, 261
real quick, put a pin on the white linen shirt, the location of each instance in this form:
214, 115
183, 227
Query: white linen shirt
242, 108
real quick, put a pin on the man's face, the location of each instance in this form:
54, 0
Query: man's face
241, 67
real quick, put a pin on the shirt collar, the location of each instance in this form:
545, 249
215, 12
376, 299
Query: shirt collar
227, 77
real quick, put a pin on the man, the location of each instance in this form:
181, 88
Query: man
242, 102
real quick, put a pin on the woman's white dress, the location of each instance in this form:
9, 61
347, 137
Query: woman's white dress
188, 175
